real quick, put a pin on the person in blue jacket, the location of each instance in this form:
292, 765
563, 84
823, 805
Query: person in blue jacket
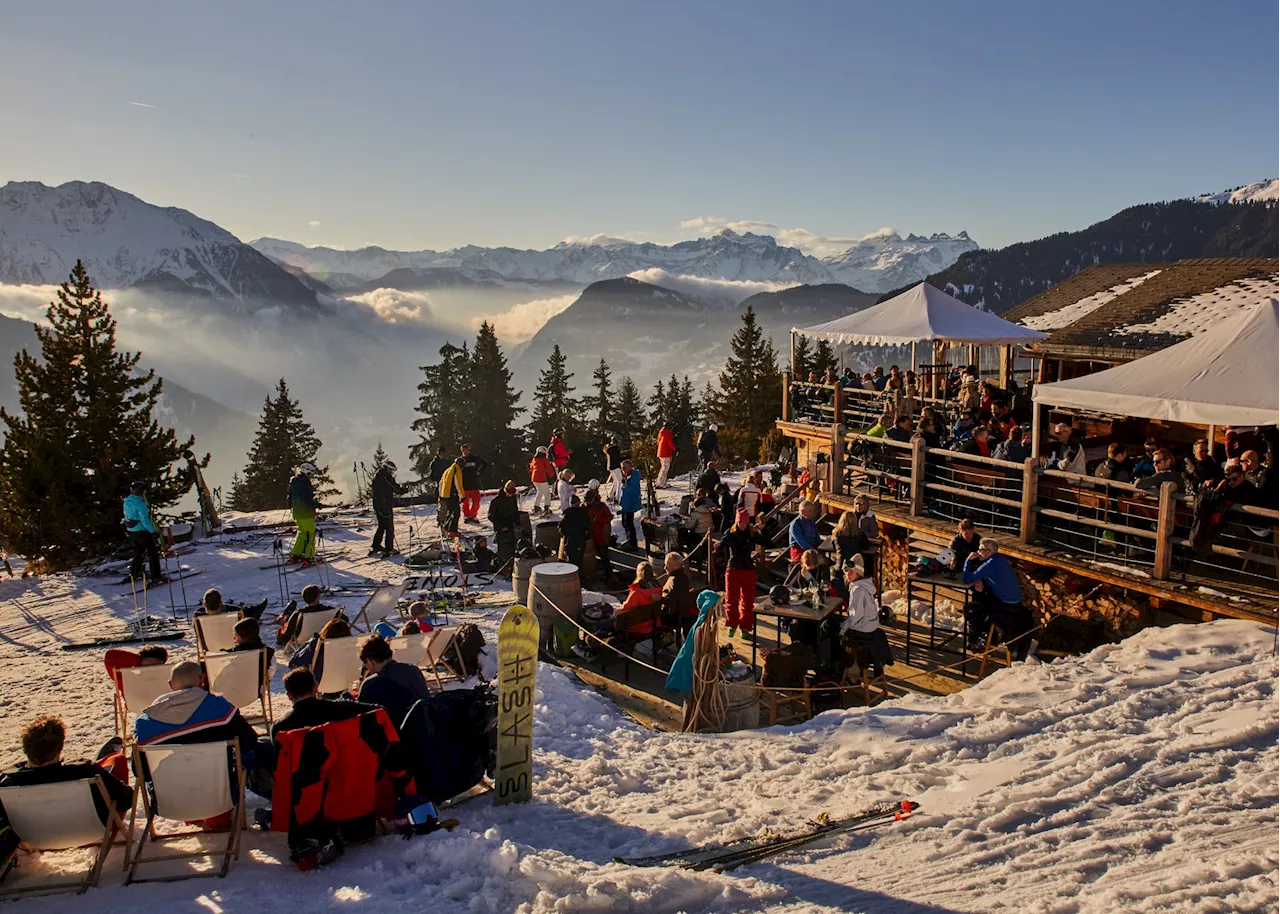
630, 502
142, 533
997, 597
302, 504
804, 533
680, 679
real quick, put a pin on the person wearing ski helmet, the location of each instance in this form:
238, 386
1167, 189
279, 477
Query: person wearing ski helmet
558, 450
709, 444
302, 504
541, 473
142, 533
667, 450
383, 490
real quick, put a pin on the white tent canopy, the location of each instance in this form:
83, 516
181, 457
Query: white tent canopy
1224, 376
919, 314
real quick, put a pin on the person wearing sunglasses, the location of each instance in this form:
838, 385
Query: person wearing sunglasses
997, 598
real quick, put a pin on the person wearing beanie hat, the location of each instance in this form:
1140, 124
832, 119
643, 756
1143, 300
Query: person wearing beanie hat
680, 679
383, 491
743, 543
541, 472
504, 514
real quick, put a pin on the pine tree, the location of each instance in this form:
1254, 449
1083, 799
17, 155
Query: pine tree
86, 431
629, 417
599, 405
750, 385
823, 356
803, 357
660, 401
445, 407
684, 422
554, 405
364, 474
284, 441
493, 407
235, 500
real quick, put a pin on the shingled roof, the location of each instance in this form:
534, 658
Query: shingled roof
1062, 304
1159, 310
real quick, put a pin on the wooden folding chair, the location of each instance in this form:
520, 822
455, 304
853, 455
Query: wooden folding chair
215, 632
310, 626
990, 650
441, 644
340, 664
242, 678
381, 603
136, 688
187, 784
858, 677
60, 816
411, 648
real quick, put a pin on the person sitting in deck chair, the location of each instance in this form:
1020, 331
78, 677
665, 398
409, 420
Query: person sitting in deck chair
42, 743
1066, 450
419, 619
118, 658
293, 616
248, 637
389, 683
310, 709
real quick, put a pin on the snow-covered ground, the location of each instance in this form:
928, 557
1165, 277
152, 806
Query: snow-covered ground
1141, 777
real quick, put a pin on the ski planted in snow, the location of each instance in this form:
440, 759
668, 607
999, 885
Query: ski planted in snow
718, 855
291, 567
160, 582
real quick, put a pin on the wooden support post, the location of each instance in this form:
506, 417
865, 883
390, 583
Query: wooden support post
786, 396
917, 476
1006, 366
839, 402
793, 352
1164, 531
1030, 491
1036, 409
836, 485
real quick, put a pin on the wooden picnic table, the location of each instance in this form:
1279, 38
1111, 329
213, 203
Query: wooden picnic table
802, 611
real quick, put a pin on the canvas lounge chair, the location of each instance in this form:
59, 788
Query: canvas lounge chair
310, 626
242, 678
381, 603
340, 666
215, 632
187, 784
441, 645
55, 817
411, 648
136, 688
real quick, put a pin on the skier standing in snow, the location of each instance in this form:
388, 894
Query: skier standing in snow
630, 502
450, 498
383, 489
541, 472
666, 451
302, 504
472, 467
436, 469
709, 444
559, 451
504, 514
143, 533
613, 463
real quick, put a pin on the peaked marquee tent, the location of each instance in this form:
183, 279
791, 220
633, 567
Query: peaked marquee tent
1224, 376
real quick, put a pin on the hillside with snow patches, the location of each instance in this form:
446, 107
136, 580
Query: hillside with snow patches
1258, 191
126, 242
877, 262
1138, 778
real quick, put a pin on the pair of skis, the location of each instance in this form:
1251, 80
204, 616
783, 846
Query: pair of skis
723, 857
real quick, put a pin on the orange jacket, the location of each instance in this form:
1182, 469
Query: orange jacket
541, 470
666, 443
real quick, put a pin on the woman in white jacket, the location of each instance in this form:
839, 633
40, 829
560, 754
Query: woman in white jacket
861, 632
566, 491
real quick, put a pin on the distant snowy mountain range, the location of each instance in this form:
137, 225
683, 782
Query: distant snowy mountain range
126, 242
1256, 192
878, 262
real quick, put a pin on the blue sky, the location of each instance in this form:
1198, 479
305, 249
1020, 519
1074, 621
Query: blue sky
416, 125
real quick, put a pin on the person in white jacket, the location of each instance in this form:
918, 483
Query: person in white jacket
860, 630
566, 491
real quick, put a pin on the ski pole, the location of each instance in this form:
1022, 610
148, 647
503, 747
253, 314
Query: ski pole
173, 609
280, 577
137, 613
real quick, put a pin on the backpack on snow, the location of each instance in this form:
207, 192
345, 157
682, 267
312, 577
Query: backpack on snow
470, 644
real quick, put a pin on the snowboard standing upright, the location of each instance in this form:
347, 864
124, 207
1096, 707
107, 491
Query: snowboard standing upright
517, 667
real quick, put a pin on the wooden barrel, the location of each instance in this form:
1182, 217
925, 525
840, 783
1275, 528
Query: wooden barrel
589, 562
524, 529
742, 705
520, 574
547, 533
558, 583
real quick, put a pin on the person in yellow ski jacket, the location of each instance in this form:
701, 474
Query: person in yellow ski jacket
450, 504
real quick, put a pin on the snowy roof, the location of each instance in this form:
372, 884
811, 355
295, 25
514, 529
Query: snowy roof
1225, 375
919, 314
1091, 288
1168, 305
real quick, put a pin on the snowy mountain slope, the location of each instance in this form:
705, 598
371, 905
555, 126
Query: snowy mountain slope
876, 263
1249, 193
127, 242
1138, 778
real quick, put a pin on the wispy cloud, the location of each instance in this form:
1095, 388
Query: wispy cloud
145, 105
314, 224
731, 291
520, 322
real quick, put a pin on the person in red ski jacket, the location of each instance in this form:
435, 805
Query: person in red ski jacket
560, 452
666, 451
541, 473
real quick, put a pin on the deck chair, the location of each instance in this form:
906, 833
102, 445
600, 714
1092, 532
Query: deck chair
341, 664
311, 624
440, 646
187, 784
381, 603
215, 632
241, 677
60, 816
138, 687
411, 648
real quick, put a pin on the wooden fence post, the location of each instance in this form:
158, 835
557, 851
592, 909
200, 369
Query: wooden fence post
917, 476
836, 486
1030, 490
839, 403
1164, 531
786, 396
